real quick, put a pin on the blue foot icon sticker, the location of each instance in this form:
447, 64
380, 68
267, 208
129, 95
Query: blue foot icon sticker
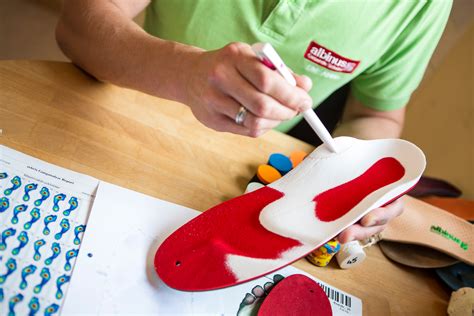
48, 220
77, 231
59, 283
16, 183
58, 198
44, 192
56, 249
23, 240
4, 204
11, 267
28, 270
37, 245
7, 233
34, 306
64, 228
16, 211
72, 206
12, 303
28, 188
35, 216
45, 276
51, 309
69, 256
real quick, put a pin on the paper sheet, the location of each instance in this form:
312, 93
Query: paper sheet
37, 256
114, 272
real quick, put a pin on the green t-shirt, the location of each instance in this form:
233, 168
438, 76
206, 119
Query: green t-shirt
381, 46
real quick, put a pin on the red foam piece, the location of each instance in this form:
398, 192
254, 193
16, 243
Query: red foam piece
296, 295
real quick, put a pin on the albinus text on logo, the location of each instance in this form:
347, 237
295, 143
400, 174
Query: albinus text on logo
328, 59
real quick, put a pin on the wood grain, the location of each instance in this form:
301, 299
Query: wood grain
55, 112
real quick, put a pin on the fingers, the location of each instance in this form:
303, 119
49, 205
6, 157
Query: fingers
274, 85
304, 82
372, 223
358, 232
224, 124
229, 107
260, 104
234, 78
382, 215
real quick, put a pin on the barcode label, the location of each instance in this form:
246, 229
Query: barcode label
336, 296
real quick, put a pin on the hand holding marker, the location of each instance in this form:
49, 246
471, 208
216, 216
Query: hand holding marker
267, 54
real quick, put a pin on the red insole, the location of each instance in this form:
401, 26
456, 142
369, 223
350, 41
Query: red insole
193, 257
296, 295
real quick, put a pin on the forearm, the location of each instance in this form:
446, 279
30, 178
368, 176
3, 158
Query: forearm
363, 122
369, 128
100, 38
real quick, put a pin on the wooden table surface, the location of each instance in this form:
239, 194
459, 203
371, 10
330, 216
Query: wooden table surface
57, 113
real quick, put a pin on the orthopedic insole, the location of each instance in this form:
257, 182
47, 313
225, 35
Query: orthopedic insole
427, 225
267, 229
415, 255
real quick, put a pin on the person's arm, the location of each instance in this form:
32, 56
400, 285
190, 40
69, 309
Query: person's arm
101, 37
363, 122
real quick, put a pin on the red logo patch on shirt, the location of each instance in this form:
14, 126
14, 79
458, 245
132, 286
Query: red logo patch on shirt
328, 59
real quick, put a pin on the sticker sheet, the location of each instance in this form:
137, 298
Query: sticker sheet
43, 215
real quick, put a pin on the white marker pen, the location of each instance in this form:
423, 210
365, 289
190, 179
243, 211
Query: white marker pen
268, 55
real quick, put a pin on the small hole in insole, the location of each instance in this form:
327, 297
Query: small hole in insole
178, 263
311, 291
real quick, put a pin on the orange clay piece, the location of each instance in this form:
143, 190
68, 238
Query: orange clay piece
297, 156
267, 174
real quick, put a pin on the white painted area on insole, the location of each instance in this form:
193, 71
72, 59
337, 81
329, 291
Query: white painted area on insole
244, 268
293, 215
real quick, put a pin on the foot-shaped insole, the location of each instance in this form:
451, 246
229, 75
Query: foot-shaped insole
267, 229
427, 225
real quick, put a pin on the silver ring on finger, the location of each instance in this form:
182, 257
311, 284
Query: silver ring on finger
240, 117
